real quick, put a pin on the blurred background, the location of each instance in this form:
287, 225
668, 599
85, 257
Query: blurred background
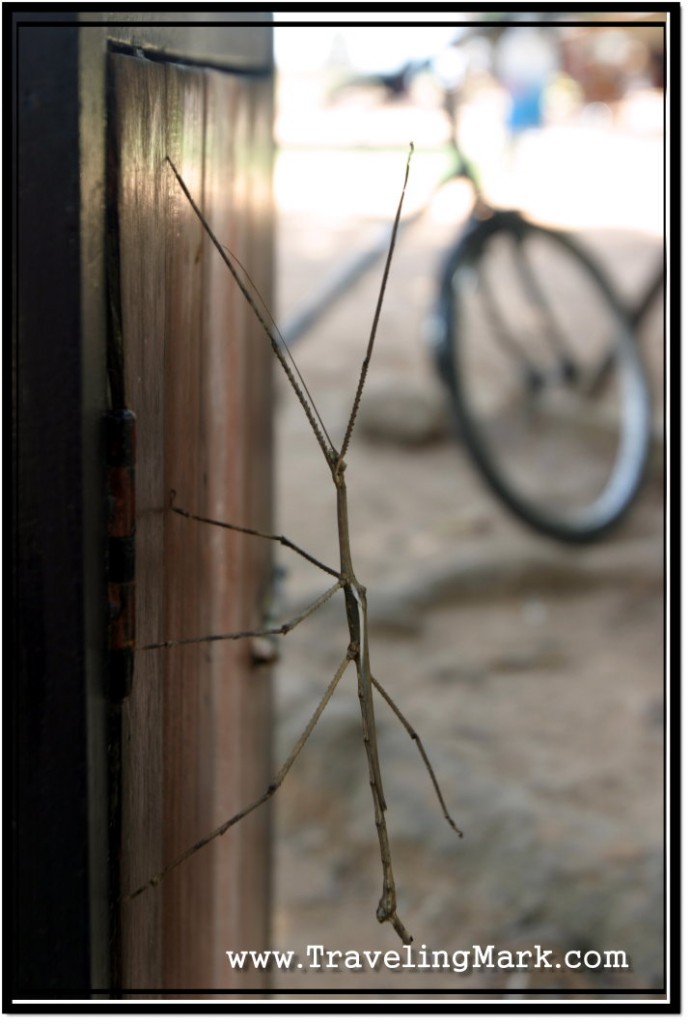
533, 672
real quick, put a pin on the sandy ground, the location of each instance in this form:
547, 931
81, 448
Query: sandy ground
533, 673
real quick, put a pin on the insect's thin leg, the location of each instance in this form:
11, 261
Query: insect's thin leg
301, 391
271, 789
375, 322
271, 631
279, 538
423, 754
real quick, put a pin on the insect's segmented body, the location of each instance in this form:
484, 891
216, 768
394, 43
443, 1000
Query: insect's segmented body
358, 650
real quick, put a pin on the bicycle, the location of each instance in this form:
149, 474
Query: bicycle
539, 360
541, 365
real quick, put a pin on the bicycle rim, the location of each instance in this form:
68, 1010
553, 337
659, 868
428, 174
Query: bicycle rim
546, 379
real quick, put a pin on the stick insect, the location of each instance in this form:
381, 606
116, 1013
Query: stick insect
345, 580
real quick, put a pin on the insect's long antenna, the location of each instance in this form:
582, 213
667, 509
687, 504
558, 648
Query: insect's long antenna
375, 322
304, 397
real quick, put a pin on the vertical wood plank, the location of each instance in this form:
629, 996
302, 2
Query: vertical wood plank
195, 742
238, 433
139, 111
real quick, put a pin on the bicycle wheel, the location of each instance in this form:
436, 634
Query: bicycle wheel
544, 375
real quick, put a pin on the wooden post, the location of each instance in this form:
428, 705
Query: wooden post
195, 743
111, 782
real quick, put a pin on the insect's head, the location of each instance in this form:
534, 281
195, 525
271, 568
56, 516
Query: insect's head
338, 466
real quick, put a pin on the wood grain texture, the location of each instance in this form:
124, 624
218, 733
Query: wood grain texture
195, 729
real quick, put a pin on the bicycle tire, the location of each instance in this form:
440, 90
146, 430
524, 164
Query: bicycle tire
547, 291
